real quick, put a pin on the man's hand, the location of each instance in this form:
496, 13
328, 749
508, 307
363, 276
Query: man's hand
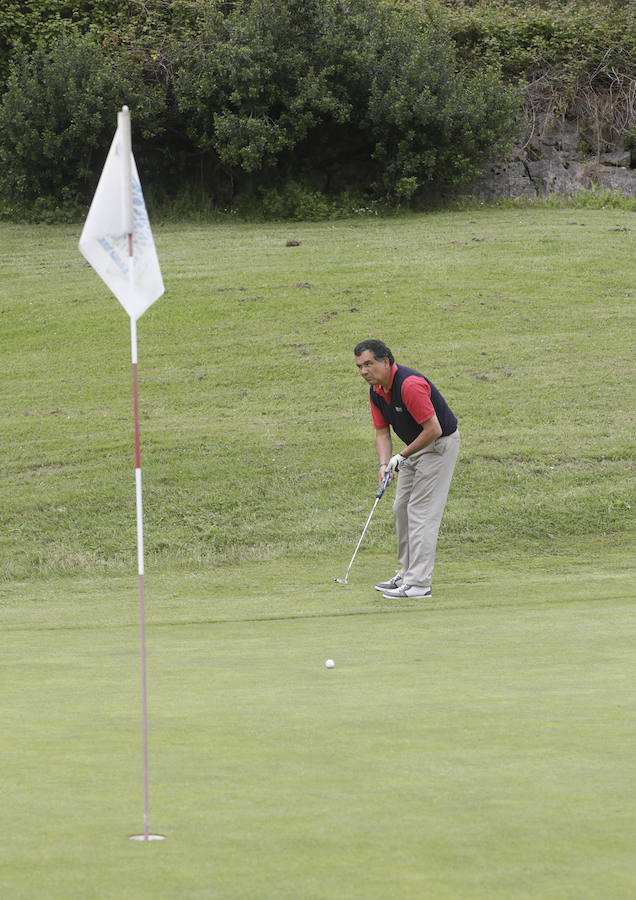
395, 462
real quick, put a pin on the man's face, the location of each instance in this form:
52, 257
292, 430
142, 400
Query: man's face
374, 371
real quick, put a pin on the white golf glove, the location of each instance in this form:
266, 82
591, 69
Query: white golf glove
395, 462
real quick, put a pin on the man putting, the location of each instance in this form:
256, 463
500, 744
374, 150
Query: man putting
407, 402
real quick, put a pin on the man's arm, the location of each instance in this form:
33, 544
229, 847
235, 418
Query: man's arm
431, 430
384, 449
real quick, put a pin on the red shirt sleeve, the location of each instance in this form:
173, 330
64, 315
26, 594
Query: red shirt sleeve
416, 394
378, 419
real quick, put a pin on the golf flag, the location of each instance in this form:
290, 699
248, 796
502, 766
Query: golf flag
118, 243
135, 279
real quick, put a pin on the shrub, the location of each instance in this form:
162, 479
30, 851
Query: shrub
310, 86
25, 22
430, 122
57, 118
342, 95
574, 59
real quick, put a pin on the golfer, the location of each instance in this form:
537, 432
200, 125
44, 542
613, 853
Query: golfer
407, 402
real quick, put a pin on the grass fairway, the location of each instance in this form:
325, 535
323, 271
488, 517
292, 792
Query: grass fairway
478, 745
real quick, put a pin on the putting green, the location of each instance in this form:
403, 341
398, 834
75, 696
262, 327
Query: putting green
476, 745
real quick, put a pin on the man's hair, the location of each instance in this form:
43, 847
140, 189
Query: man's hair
378, 348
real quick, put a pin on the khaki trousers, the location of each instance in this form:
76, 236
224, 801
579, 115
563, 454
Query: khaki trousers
423, 483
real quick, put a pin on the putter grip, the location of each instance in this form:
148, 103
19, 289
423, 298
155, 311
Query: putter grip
384, 485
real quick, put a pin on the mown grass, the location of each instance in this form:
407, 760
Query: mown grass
256, 440
475, 745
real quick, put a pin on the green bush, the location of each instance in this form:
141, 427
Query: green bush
25, 22
236, 101
574, 59
233, 98
57, 118
301, 202
258, 77
534, 38
431, 123
363, 92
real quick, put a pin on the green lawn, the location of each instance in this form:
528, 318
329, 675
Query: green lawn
256, 436
476, 745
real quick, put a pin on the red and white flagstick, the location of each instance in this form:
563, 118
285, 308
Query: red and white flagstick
140, 567
124, 125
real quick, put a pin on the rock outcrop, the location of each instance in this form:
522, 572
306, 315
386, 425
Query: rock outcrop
556, 163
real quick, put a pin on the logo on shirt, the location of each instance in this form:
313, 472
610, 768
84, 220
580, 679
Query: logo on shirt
398, 409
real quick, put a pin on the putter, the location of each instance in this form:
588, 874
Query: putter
381, 490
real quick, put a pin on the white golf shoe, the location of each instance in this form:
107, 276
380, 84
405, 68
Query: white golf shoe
408, 592
391, 584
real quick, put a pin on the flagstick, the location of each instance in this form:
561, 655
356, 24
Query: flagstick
128, 216
110, 218
140, 560
140, 567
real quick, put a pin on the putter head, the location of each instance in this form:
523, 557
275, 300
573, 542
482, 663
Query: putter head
341, 581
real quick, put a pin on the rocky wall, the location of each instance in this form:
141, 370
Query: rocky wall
556, 162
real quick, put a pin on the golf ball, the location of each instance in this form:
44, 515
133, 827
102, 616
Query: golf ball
330, 663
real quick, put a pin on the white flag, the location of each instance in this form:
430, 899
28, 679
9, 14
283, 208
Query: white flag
107, 238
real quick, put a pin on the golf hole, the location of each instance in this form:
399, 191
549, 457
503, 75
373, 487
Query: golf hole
150, 837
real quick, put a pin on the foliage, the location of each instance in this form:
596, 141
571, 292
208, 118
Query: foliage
56, 120
432, 123
305, 86
297, 201
575, 59
25, 22
275, 103
358, 95
531, 38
